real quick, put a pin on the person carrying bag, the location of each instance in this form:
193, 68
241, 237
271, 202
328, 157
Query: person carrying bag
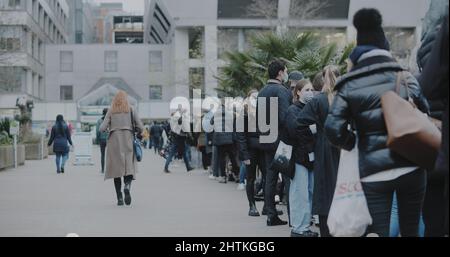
349, 214
410, 132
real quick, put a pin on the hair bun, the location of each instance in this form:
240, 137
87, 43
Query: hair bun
367, 19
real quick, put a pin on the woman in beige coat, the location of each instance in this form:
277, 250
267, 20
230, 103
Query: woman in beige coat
120, 159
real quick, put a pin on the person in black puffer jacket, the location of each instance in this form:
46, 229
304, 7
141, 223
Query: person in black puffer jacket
358, 102
302, 179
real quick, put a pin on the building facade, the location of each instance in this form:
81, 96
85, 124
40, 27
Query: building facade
200, 31
81, 24
103, 22
82, 80
26, 26
183, 48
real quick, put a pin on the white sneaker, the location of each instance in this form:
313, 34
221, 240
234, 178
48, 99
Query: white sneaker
241, 187
277, 198
212, 177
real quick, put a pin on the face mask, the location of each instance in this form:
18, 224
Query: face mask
307, 97
253, 102
285, 78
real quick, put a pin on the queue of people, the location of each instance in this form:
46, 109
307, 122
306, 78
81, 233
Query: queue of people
318, 117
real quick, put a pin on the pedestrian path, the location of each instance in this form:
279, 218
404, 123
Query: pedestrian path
35, 201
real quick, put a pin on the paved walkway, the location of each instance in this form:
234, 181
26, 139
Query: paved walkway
35, 201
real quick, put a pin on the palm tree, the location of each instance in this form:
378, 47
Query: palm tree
248, 70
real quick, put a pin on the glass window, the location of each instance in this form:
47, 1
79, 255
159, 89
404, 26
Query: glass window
14, 4
320, 9
196, 43
156, 61
11, 38
247, 9
12, 78
155, 93
228, 40
326, 36
66, 93
196, 80
402, 41
111, 61
66, 61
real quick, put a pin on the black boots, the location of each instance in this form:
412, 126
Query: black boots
253, 212
120, 199
275, 221
127, 191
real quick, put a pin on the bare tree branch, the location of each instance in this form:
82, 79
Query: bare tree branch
307, 9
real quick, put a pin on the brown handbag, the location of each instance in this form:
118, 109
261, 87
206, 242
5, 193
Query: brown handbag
410, 132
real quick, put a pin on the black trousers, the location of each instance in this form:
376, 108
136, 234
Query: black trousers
323, 226
156, 141
206, 157
434, 207
103, 151
223, 151
118, 183
410, 190
256, 161
271, 186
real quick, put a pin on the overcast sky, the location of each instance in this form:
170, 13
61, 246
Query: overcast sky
129, 5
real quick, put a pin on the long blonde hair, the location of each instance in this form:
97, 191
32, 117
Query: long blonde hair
330, 75
120, 103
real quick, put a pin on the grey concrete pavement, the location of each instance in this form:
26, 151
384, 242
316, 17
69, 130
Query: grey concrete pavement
35, 201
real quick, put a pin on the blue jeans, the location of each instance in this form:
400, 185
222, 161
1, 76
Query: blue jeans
300, 199
173, 152
61, 160
243, 173
395, 226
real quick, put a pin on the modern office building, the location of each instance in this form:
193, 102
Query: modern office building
103, 23
128, 29
26, 26
183, 48
81, 23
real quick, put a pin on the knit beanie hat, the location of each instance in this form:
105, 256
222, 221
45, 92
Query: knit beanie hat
368, 23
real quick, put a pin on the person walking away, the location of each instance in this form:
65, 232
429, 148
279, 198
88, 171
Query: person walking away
326, 163
278, 74
121, 160
250, 152
102, 139
60, 137
358, 102
178, 144
301, 186
156, 134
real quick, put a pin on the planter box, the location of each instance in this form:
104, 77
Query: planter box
34, 152
7, 156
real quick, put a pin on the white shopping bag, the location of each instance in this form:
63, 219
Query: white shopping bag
349, 215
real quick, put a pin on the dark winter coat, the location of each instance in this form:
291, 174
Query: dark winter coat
247, 140
326, 155
358, 102
60, 139
274, 89
302, 141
